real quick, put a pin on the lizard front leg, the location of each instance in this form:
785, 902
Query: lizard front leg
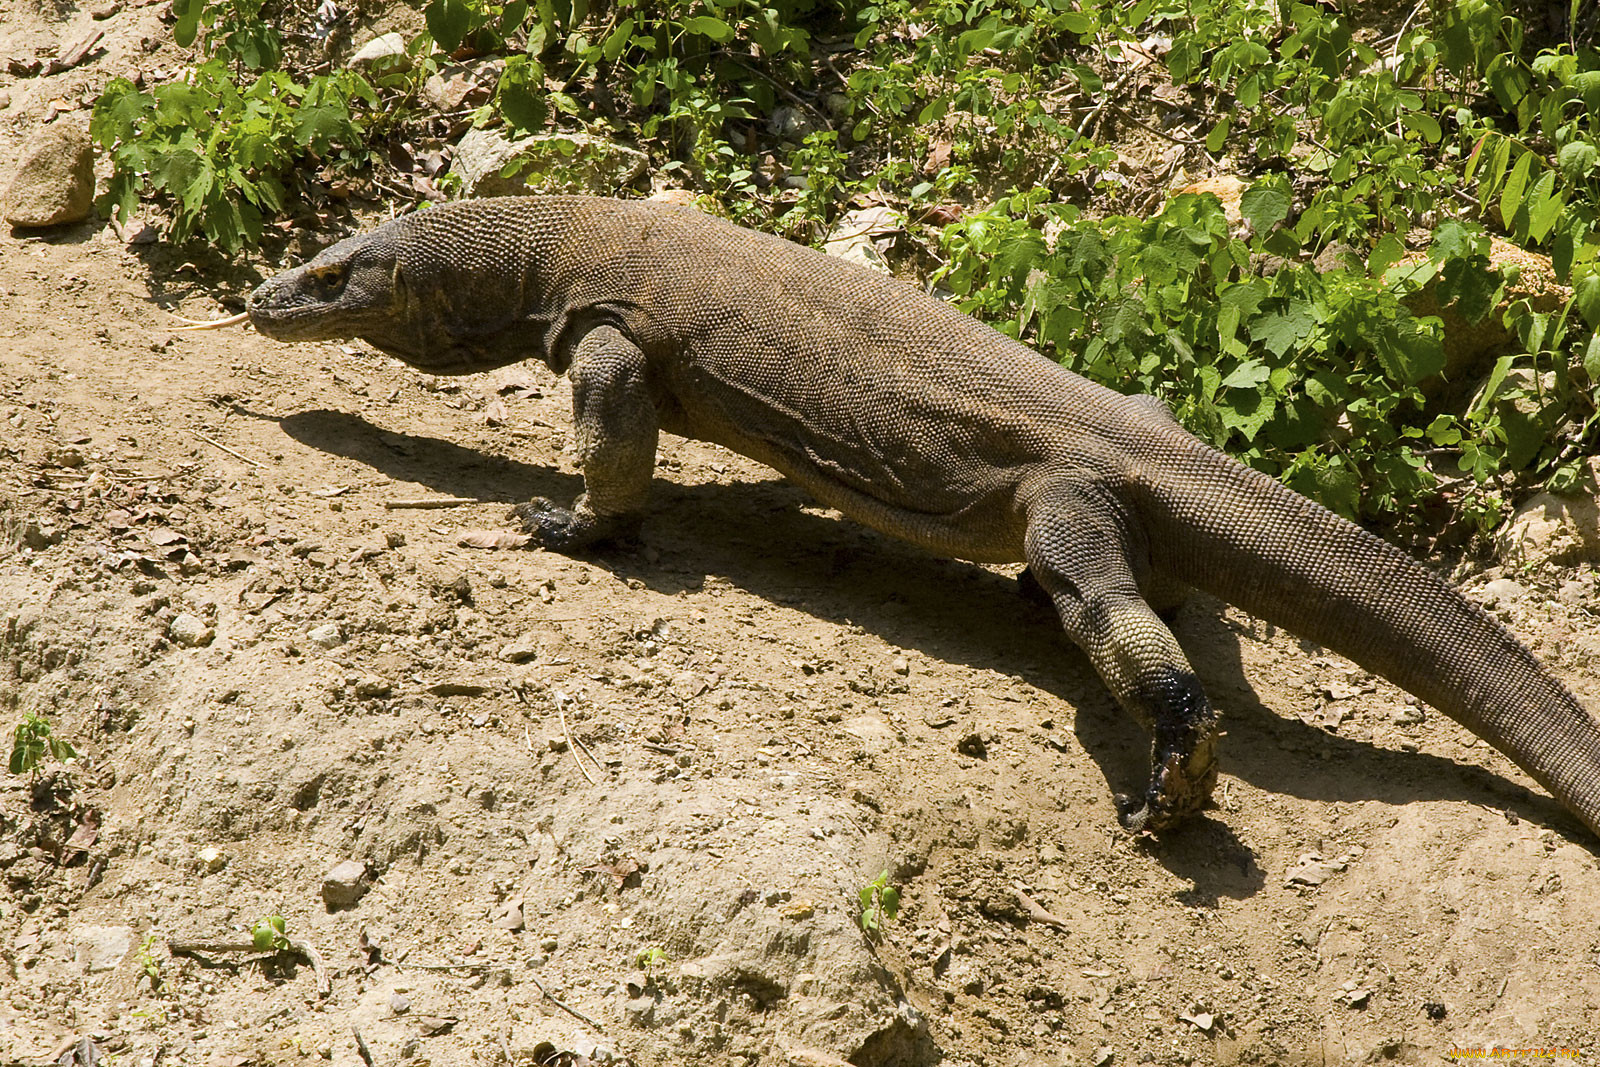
1082, 551
616, 431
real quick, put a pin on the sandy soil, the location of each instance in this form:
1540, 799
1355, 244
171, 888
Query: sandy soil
620, 807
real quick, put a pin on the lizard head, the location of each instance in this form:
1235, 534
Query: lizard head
349, 289
415, 288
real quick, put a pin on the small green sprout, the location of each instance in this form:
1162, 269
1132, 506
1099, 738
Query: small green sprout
880, 903
32, 740
269, 935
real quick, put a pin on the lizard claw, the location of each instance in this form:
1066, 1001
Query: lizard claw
1183, 774
570, 529
551, 525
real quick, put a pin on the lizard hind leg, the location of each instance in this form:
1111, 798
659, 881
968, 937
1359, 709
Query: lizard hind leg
1079, 548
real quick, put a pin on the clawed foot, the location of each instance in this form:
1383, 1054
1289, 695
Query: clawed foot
1183, 774
551, 525
569, 529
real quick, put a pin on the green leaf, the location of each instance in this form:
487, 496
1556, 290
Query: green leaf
1577, 159
709, 26
449, 22
1591, 362
1265, 205
1247, 413
1388, 251
1279, 331
1511, 195
617, 40
187, 25
1079, 23
1546, 205
1491, 386
1424, 124
1218, 135
1017, 254
1247, 375
1586, 294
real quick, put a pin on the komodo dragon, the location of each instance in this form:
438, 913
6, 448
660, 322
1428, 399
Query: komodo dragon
924, 424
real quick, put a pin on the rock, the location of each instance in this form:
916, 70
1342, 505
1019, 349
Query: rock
101, 948
382, 55
681, 197
190, 631
101, 12
369, 686
521, 650
1406, 715
790, 123
853, 237
325, 636
874, 733
1468, 344
211, 859
544, 163
1575, 594
1502, 592
344, 885
1227, 188
5, 99
1313, 870
1551, 530
399, 1004
54, 183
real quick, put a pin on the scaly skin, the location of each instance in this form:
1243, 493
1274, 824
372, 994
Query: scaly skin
922, 423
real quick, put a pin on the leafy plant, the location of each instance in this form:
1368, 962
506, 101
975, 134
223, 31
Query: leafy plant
225, 155
148, 963
269, 934
880, 904
31, 740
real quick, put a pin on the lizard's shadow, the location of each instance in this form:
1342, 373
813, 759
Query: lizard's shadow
763, 537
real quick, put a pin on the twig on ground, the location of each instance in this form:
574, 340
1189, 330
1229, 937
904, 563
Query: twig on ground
361, 1045
561, 707
569, 1009
236, 455
431, 502
483, 965
303, 948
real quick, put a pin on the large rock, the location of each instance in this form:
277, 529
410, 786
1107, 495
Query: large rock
382, 55
54, 183
1471, 345
857, 233
101, 948
1554, 530
544, 163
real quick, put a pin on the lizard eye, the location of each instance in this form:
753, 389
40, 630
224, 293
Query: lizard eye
330, 277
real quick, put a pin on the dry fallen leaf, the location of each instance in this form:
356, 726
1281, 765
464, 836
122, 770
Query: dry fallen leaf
492, 539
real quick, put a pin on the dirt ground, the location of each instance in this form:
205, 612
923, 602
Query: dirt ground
620, 808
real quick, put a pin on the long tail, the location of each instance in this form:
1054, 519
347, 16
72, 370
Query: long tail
1243, 537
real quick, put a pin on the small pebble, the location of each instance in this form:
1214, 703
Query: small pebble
325, 636
190, 631
344, 885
